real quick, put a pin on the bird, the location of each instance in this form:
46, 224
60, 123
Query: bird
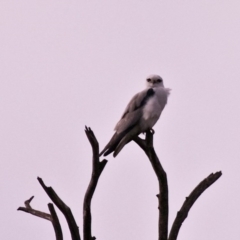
140, 115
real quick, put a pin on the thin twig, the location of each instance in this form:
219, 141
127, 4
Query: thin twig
64, 209
190, 200
97, 168
147, 146
29, 209
50, 217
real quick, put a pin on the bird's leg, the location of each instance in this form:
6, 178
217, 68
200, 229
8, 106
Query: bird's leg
149, 138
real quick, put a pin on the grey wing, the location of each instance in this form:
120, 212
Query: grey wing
133, 111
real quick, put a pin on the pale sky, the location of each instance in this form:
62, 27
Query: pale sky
67, 64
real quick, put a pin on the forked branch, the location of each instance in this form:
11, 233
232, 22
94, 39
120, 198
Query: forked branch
97, 168
64, 209
147, 146
29, 209
51, 217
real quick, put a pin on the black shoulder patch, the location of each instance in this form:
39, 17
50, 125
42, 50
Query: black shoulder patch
149, 94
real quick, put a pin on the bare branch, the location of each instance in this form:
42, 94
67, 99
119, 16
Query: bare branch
64, 209
55, 222
29, 209
190, 200
147, 146
97, 168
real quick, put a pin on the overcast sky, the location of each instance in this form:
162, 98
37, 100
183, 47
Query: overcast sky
67, 64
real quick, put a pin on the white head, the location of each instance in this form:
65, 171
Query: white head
154, 81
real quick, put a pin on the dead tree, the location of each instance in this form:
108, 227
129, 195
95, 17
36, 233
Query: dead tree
97, 168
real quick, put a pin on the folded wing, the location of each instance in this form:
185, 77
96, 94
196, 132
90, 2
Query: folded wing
128, 126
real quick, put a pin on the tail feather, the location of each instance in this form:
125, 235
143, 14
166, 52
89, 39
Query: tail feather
119, 140
110, 150
110, 147
126, 139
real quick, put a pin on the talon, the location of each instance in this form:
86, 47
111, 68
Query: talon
152, 131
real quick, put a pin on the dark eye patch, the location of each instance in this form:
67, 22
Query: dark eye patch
149, 80
159, 80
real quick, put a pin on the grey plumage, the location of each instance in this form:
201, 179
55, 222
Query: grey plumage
140, 115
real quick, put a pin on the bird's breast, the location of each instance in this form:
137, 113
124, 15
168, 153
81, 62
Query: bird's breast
152, 109
154, 106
